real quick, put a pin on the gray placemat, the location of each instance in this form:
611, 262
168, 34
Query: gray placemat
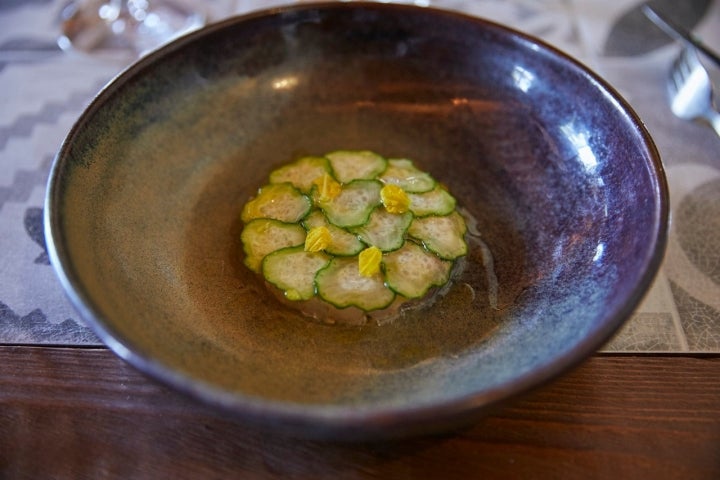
44, 90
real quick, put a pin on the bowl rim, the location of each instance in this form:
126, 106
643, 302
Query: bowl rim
332, 421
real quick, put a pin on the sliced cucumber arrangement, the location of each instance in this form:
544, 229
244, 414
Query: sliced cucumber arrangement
342, 285
342, 243
349, 165
443, 235
353, 229
265, 235
437, 201
293, 271
353, 205
279, 201
302, 172
385, 230
413, 270
403, 173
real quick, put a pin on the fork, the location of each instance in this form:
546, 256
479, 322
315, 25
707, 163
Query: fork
690, 90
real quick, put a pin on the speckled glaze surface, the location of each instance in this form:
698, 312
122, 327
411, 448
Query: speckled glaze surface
143, 208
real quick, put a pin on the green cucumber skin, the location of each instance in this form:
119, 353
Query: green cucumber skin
329, 282
451, 245
345, 244
419, 183
275, 270
346, 210
377, 235
262, 232
429, 270
265, 204
301, 173
440, 201
364, 165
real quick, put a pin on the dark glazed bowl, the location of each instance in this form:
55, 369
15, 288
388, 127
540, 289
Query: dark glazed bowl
142, 213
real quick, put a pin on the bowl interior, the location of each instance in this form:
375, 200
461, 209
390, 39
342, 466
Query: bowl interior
562, 179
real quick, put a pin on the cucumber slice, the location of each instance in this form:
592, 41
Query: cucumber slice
437, 201
352, 207
293, 271
349, 165
443, 235
263, 236
411, 271
301, 173
279, 201
402, 172
385, 230
343, 243
342, 285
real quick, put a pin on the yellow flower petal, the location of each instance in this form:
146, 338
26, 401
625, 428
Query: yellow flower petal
317, 239
328, 187
369, 261
395, 199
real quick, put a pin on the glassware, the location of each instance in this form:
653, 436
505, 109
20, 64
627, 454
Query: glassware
135, 25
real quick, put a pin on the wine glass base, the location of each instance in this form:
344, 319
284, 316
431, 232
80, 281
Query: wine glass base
134, 25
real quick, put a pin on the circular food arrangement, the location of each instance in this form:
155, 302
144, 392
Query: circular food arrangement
351, 236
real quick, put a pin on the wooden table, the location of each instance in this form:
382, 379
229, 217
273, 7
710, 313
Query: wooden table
72, 413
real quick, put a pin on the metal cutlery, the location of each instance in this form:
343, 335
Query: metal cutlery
678, 33
689, 85
690, 90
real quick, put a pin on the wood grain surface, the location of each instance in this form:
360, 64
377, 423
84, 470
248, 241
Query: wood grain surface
72, 413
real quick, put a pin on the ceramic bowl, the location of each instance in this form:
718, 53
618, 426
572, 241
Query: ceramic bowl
142, 213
